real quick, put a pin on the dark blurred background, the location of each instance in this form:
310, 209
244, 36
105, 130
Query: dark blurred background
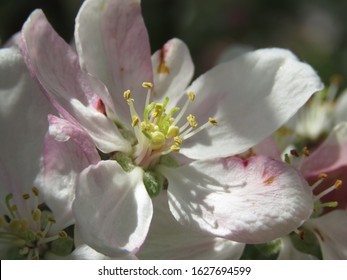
315, 30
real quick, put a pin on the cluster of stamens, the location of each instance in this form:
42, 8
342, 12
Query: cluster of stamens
27, 231
318, 205
157, 132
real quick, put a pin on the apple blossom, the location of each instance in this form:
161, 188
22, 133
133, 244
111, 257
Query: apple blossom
28, 227
143, 127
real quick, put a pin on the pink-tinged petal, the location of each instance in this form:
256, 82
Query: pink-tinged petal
112, 208
113, 45
250, 97
23, 124
62, 162
331, 231
289, 252
56, 67
167, 239
267, 147
67, 151
330, 155
54, 64
248, 201
62, 130
102, 130
173, 70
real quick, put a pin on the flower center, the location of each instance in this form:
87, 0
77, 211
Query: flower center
157, 131
27, 234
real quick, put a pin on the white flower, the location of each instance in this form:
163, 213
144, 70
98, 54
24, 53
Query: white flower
142, 116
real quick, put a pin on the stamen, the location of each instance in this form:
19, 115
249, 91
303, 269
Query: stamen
192, 121
321, 178
336, 185
175, 148
191, 98
127, 94
212, 121
149, 86
195, 131
135, 121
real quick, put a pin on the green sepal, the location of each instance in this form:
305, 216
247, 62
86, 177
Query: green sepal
153, 182
308, 244
169, 161
62, 246
264, 251
124, 161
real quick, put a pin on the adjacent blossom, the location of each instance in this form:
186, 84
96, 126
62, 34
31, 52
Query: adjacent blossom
139, 126
323, 164
28, 227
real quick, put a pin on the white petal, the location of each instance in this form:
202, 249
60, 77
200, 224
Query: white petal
23, 124
250, 97
248, 201
62, 162
103, 131
167, 239
331, 231
119, 54
173, 70
112, 208
340, 112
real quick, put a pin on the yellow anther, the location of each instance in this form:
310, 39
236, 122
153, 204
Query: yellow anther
322, 176
135, 121
51, 220
192, 121
178, 141
172, 132
212, 121
191, 96
35, 191
338, 183
147, 85
40, 234
175, 148
26, 196
127, 94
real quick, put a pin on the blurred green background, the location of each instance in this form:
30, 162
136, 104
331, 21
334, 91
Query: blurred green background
315, 30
